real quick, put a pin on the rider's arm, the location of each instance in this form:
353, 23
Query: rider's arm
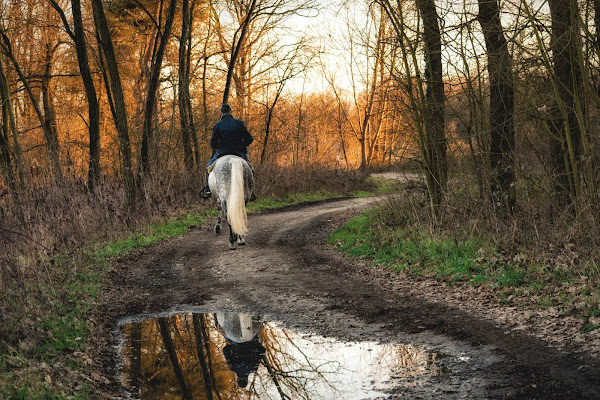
247, 137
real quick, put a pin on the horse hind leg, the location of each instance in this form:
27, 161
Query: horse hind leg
232, 239
219, 221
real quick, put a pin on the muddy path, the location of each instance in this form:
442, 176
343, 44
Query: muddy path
286, 273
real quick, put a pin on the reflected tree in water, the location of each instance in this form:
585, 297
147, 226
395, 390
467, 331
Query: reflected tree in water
232, 356
165, 331
202, 339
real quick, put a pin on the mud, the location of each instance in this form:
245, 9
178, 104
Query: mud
287, 274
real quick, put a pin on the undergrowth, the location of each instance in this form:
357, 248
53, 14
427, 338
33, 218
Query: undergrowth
397, 236
51, 327
421, 253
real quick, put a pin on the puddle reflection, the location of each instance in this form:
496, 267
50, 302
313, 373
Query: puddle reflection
231, 356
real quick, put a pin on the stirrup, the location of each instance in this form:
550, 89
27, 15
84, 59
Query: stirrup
205, 193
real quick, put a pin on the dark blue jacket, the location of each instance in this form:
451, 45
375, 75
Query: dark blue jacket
230, 136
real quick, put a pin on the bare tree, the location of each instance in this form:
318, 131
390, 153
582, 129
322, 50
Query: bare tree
570, 109
250, 44
4, 135
427, 105
185, 107
155, 68
236, 51
45, 118
165, 331
435, 148
90, 90
293, 65
9, 130
117, 101
502, 101
77, 34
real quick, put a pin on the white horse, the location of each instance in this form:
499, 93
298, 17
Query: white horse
231, 181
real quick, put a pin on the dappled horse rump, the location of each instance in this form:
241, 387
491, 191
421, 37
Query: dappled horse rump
231, 181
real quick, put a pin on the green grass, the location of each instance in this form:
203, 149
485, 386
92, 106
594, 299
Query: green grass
593, 311
418, 252
149, 236
381, 186
42, 392
413, 251
385, 186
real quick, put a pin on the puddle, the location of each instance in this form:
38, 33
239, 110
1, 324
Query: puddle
231, 355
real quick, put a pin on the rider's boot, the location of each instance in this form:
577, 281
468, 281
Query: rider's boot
205, 193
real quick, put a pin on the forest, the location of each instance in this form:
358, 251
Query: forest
107, 108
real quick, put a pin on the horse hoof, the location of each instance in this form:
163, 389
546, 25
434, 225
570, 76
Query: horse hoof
241, 242
232, 246
217, 229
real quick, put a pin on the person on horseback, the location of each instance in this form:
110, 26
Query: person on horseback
229, 136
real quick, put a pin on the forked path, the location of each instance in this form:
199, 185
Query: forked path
286, 273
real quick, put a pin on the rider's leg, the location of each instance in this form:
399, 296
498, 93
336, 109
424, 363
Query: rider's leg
205, 192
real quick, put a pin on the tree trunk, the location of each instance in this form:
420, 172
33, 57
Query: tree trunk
184, 86
190, 110
502, 134
147, 131
49, 120
165, 332
90, 92
118, 107
236, 52
570, 109
597, 25
5, 161
203, 352
433, 113
9, 129
78, 36
263, 153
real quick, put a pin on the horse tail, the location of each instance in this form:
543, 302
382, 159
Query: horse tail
236, 202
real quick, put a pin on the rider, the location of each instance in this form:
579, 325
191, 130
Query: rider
229, 136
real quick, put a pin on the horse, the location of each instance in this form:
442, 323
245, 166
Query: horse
231, 181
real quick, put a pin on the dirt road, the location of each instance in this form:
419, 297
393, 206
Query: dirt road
286, 273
